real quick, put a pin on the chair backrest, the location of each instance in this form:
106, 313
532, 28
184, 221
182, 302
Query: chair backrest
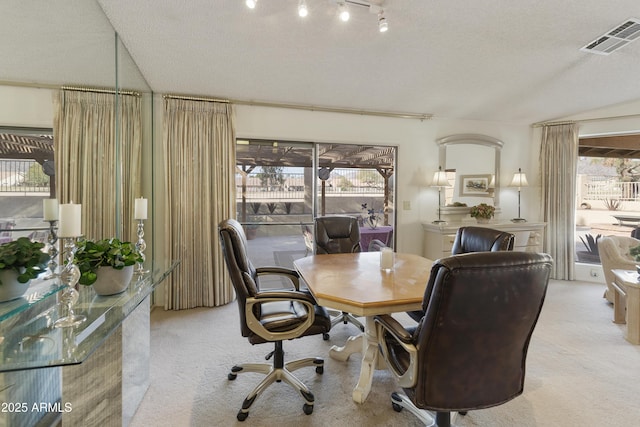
480, 312
336, 234
241, 270
376, 245
481, 239
614, 254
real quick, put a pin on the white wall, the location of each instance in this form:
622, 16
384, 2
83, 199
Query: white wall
26, 107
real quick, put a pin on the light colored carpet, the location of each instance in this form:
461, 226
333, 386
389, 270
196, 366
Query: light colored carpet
580, 371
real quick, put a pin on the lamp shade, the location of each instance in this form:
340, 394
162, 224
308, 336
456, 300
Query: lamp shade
519, 179
440, 179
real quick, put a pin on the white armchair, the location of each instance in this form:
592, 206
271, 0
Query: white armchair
614, 254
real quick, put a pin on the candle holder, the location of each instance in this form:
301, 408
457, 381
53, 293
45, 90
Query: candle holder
69, 275
53, 251
140, 247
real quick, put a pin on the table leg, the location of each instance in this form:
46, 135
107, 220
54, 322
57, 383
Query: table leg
633, 314
353, 345
619, 306
370, 358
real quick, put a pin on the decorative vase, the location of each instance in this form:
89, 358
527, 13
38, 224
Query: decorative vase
372, 223
10, 288
111, 281
482, 220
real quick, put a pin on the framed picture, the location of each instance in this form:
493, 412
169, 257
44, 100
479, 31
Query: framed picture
475, 185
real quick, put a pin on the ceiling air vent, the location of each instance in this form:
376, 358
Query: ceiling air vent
615, 38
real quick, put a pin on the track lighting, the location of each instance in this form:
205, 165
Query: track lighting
302, 8
343, 12
383, 26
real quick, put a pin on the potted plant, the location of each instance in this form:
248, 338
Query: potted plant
20, 261
106, 264
482, 212
591, 255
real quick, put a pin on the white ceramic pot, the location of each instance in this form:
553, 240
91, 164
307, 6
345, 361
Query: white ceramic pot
111, 281
10, 288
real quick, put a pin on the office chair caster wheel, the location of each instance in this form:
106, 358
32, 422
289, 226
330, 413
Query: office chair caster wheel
396, 407
308, 409
232, 376
319, 369
325, 337
242, 416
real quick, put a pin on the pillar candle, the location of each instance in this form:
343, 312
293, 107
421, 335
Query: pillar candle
140, 211
386, 259
70, 220
50, 209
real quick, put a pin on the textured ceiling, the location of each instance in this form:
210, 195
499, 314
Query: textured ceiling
486, 59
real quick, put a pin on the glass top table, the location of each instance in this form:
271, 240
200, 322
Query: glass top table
28, 339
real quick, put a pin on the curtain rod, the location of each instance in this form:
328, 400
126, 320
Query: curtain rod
98, 90
195, 98
307, 107
595, 119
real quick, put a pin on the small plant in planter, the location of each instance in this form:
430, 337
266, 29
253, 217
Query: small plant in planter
24, 257
91, 255
482, 211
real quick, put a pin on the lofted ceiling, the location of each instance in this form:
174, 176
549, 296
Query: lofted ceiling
491, 60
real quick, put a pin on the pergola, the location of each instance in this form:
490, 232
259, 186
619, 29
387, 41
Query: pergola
254, 153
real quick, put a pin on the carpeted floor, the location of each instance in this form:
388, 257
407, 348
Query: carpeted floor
580, 371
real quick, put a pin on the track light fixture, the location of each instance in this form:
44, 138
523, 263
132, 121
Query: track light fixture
343, 10
303, 11
383, 26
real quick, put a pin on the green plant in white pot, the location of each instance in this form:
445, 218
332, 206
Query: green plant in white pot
20, 261
106, 264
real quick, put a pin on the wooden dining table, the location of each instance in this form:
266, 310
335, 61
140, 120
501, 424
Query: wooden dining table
355, 283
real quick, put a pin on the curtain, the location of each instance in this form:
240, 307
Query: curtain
199, 148
91, 167
558, 163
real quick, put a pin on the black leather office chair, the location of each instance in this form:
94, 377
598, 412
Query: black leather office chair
270, 316
475, 239
334, 235
481, 239
469, 350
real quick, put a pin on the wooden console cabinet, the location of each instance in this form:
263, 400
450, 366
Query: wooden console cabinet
439, 238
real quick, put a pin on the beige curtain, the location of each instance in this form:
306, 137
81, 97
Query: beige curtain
199, 147
558, 160
91, 167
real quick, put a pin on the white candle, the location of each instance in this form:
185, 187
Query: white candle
386, 259
140, 211
70, 220
50, 209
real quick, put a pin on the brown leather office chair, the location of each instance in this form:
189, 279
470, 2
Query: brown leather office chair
270, 316
335, 235
475, 239
469, 350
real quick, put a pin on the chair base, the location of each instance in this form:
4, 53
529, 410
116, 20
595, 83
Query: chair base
279, 371
439, 419
342, 317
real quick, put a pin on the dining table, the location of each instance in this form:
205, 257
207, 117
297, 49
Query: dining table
355, 283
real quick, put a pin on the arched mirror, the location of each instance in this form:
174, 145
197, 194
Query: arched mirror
472, 163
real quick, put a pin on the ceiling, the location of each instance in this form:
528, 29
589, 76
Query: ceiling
493, 60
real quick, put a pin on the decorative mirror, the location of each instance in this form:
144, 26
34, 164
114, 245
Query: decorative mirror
472, 162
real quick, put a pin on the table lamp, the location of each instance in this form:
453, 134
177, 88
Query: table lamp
440, 180
519, 180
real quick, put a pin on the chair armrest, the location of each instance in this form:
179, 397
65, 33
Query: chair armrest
385, 326
394, 327
292, 275
279, 296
